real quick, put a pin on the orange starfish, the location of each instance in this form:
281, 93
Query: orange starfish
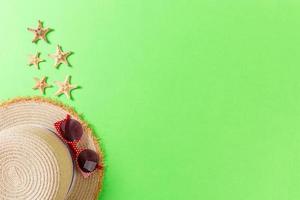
39, 32
41, 84
35, 60
60, 57
65, 87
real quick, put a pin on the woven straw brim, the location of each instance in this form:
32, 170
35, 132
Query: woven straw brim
44, 112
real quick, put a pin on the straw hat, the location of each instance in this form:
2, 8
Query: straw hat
34, 162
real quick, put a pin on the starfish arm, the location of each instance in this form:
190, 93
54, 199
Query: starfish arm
35, 39
58, 49
52, 55
44, 38
66, 62
66, 54
37, 65
58, 83
47, 85
45, 34
46, 31
59, 92
30, 59
42, 90
40, 24
67, 93
31, 29
67, 79
73, 87
57, 63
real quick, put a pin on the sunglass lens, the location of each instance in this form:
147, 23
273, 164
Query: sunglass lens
88, 160
71, 130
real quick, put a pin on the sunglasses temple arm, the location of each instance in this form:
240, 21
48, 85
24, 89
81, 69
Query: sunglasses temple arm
68, 117
99, 166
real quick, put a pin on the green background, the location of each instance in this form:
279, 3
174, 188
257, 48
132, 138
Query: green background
195, 99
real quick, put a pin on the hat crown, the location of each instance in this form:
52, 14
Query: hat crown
14, 177
34, 164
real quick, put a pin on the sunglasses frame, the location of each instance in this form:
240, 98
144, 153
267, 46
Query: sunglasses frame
73, 145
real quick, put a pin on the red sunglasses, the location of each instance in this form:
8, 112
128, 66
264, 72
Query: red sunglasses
70, 131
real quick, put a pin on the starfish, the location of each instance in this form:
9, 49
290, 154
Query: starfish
35, 60
39, 32
41, 84
60, 57
65, 87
